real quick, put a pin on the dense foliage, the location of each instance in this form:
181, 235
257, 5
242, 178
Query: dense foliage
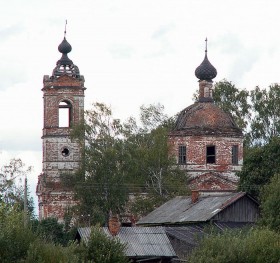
270, 204
14, 238
256, 112
261, 163
231, 99
103, 249
12, 177
253, 246
120, 158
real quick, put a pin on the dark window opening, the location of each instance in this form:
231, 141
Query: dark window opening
65, 114
234, 156
182, 157
65, 152
210, 154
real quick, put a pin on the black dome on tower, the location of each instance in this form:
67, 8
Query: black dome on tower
206, 71
64, 47
65, 66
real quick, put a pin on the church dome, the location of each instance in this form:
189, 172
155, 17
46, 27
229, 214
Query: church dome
64, 47
206, 71
205, 119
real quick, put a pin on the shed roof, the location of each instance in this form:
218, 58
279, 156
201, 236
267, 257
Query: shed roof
181, 209
139, 241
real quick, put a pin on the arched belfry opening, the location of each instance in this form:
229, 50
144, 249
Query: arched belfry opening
65, 115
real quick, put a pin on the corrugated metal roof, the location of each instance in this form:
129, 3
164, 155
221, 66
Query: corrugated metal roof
192, 233
139, 241
189, 234
181, 209
84, 233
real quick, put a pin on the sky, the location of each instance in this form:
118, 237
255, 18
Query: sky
131, 52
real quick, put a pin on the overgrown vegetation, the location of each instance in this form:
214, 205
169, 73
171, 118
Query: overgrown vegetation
253, 246
122, 158
104, 249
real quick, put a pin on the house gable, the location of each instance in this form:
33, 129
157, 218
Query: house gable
244, 209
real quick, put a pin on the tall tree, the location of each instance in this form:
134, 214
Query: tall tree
122, 158
14, 238
12, 177
156, 171
260, 164
234, 101
100, 183
266, 118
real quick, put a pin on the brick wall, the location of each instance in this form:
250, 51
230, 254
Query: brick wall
196, 164
53, 197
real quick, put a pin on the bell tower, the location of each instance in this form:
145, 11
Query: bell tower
63, 96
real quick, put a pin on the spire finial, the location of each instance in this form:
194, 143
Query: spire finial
206, 45
65, 28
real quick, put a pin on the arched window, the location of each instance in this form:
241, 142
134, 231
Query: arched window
65, 114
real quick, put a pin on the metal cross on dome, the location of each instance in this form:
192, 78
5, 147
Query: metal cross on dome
65, 28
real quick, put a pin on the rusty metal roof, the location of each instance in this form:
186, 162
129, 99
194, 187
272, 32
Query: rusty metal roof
181, 209
139, 241
207, 119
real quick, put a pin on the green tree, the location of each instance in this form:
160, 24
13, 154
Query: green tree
154, 170
260, 164
11, 182
103, 249
234, 101
99, 185
50, 230
14, 238
152, 163
266, 118
270, 204
121, 158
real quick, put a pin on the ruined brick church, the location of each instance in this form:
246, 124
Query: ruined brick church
205, 140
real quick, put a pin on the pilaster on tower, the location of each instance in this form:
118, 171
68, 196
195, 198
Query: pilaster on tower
63, 97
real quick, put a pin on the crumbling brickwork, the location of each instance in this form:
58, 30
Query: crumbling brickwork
196, 163
207, 144
61, 154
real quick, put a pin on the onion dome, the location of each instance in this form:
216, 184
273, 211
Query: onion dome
205, 119
206, 71
65, 66
64, 47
